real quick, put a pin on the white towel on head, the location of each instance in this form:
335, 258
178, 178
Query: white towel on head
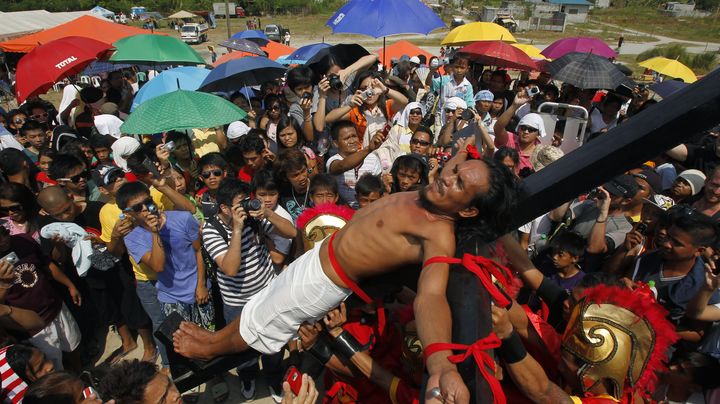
74, 237
124, 146
70, 93
533, 120
405, 117
108, 125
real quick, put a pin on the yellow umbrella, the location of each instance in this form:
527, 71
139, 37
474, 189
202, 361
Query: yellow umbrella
477, 31
670, 67
530, 50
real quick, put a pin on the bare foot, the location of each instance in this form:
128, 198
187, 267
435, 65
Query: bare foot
196, 331
150, 355
190, 346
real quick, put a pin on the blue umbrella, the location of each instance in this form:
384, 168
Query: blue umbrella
186, 78
243, 45
254, 35
667, 87
378, 18
237, 73
303, 54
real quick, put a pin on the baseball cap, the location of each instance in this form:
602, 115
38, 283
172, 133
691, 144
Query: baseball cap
106, 174
660, 201
484, 95
415, 60
622, 185
651, 177
455, 103
404, 58
237, 129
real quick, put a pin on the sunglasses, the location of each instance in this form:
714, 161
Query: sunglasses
207, 174
420, 142
38, 116
527, 128
449, 111
113, 176
4, 211
416, 112
138, 207
275, 108
76, 178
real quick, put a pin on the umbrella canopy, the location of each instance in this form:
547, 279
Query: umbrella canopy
86, 26
670, 67
477, 31
181, 109
99, 66
253, 35
304, 53
243, 45
47, 64
242, 72
273, 50
149, 49
530, 50
379, 18
400, 48
562, 47
499, 53
668, 87
586, 70
185, 78
343, 55
182, 14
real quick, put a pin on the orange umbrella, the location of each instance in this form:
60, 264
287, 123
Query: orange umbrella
86, 26
399, 48
273, 49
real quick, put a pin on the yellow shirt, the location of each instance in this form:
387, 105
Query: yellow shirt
162, 201
109, 216
205, 141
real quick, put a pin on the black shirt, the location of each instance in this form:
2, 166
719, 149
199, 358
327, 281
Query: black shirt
701, 158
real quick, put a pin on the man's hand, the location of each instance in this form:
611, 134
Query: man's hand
261, 213
356, 99
238, 215
379, 86
7, 273
306, 105
202, 295
75, 295
502, 327
308, 393
521, 98
323, 87
451, 385
251, 118
268, 155
152, 223
377, 140
632, 240
712, 280
335, 318
603, 203
122, 228
387, 180
308, 334
162, 154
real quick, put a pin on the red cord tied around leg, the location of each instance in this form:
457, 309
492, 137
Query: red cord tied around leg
482, 359
484, 268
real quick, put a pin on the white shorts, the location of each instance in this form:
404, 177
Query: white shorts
302, 292
61, 335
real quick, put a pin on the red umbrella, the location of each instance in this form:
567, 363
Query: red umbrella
499, 53
47, 64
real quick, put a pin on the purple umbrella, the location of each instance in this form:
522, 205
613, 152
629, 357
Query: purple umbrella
562, 47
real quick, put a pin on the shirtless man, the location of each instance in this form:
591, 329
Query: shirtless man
469, 196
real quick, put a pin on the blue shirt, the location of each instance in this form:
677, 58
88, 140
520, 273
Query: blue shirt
177, 282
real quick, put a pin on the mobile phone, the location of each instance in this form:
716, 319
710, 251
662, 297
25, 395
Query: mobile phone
11, 258
294, 378
88, 391
150, 166
169, 146
641, 228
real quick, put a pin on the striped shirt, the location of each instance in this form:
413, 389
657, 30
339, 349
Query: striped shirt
256, 269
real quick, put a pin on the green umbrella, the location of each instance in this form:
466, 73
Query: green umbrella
148, 48
181, 109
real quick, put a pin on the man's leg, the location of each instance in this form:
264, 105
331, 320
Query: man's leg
193, 342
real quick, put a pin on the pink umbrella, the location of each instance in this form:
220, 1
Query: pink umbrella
561, 47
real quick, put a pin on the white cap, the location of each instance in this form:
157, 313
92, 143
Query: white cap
415, 60
455, 103
237, 129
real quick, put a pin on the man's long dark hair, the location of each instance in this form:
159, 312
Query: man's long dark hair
494, 207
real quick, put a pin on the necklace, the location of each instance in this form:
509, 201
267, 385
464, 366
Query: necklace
292, 189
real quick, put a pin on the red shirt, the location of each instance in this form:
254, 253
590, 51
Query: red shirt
246, 174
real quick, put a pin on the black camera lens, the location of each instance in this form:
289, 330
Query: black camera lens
334, 81
251, 204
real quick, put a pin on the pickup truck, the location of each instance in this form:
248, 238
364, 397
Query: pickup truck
194, 33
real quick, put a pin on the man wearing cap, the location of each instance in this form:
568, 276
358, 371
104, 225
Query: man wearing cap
527, 133
709, 204
236, 130
649, 184
602, 218
687, 184
483, 103
452, 112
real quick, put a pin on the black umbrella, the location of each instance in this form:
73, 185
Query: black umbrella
586, 70
238, 73
624, 69
243, 45
342, 55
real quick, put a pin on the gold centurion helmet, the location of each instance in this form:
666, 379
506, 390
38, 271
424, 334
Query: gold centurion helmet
321, 221
621, 336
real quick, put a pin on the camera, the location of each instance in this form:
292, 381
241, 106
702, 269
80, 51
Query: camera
249, 204
641, 228
152, 209
532, 91
442, 157
334, 81
367, 94
307, 96
11, 258
595, 194
467, 115
169, 146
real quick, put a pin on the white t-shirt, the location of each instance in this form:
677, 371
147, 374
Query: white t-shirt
347, 180
282, 244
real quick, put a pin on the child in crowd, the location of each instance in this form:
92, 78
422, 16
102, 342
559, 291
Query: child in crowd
46, 156
567, 249
324, 189
266, 189
408, 173
35, 135
213, 168
100, 146
368, 189
181, 187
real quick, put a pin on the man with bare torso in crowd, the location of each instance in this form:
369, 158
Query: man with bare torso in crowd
470, 198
